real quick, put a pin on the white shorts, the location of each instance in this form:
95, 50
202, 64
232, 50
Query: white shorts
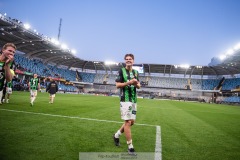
128, 110
52, 95
33, 93
9, 90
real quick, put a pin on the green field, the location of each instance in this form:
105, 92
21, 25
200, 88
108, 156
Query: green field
73, 124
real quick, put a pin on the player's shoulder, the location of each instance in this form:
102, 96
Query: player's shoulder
135, 71
121, 70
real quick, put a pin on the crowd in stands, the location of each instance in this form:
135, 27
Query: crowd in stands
87, 77
43, 70
232, 99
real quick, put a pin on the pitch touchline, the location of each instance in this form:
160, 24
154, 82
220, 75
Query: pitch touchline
62, 116
158, 146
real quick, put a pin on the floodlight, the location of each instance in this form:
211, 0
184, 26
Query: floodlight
185, 66
27, 26
53, 40
222, 57
64, 46
73, 51
237, 47
230, 52
109, 62
57, 43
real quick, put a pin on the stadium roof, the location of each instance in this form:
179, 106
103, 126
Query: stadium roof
36, 45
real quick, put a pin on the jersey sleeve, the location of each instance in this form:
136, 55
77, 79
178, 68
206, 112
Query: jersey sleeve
119, 77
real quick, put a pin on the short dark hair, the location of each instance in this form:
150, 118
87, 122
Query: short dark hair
129, 55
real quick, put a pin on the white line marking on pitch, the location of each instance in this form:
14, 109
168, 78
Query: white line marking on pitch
158, 146
62, 116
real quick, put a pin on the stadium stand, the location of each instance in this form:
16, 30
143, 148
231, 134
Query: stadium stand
36, 66
163, 85
99, 78
87, 77
232, 99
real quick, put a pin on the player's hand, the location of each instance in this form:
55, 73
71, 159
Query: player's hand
10, 58
134, 81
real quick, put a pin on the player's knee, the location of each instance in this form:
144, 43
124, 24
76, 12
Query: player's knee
128, 123
132, 122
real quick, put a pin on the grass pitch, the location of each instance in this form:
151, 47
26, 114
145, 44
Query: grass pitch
59, 131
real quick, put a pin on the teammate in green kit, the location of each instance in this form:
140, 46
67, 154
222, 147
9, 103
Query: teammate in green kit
34, 86
6, 65
128, 82
8, 91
